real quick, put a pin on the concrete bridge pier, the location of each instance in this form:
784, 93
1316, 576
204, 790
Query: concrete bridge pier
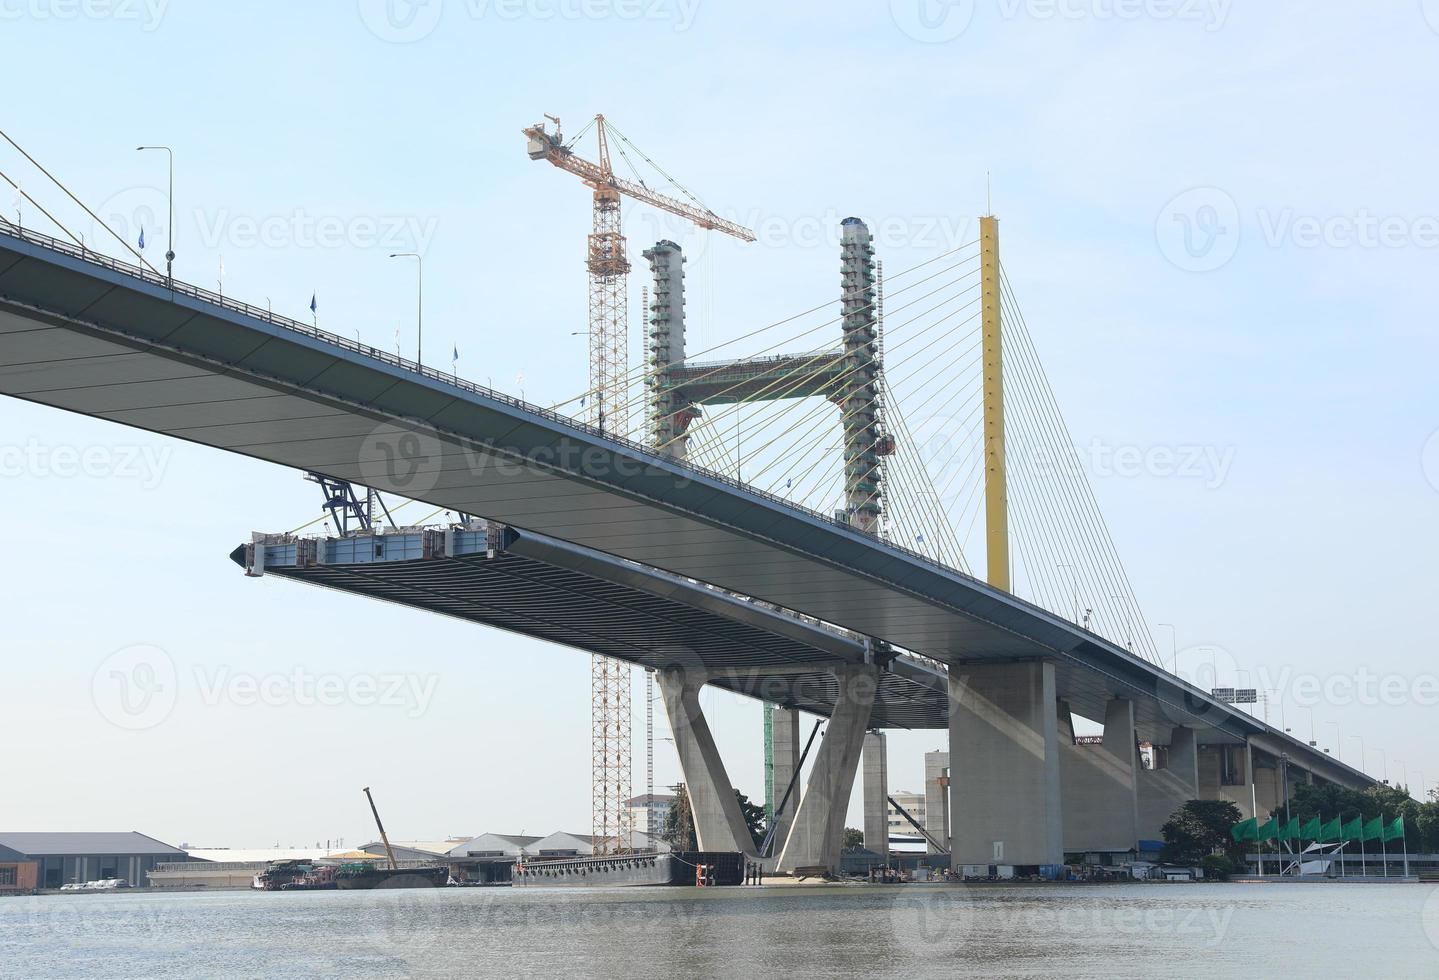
1005, 800
1099, 784
1172, 782
817, 835
788, 746
719, 823
875, 787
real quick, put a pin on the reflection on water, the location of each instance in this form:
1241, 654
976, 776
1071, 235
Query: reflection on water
913, 930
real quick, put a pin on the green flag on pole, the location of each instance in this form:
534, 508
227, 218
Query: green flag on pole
1331, 830
1374, 829
1244, 830
1270, 831
1290, 830
1395, 830
1353, 830
1310, 830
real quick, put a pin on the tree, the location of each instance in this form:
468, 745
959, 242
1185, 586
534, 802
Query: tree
853, 840
753, 817
1199, 828
679, 832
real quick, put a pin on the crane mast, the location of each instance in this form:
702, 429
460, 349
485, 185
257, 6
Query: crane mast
608, 266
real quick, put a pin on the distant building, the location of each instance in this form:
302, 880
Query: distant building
18, 876
63, 858
412, 850
914, 803
493, 846
649, 812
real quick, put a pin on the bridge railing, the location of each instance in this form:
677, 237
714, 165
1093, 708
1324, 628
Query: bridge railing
266, 315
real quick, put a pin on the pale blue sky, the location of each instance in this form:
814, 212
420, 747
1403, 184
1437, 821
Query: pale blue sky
1309, 366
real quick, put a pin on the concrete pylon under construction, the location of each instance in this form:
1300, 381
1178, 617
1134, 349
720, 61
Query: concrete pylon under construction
850, 376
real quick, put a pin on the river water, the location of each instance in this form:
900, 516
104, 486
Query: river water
911, 931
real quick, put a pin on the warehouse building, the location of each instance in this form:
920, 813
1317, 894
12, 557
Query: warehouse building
62, 858
18, 875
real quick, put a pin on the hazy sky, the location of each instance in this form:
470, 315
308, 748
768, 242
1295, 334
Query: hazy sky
1221, 219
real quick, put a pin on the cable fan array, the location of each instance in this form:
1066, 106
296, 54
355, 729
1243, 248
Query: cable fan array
932, 487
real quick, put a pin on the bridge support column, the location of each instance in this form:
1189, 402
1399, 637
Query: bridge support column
1226, 772
876, 794
719, 824
1004, 765
817, 836
1098, 783
787, 750
936, 798
1173, 782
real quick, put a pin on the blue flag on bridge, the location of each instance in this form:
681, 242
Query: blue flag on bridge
142, 238
314, 307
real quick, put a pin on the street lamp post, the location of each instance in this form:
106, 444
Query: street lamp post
1338, 738
419, 302
1173, 648
1074, 578
170, 200
1363, 754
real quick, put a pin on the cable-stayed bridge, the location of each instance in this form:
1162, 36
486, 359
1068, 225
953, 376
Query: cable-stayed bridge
842, 591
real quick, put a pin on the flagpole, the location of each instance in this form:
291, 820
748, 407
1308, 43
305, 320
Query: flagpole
1363, 849
1404, 833
1384, 844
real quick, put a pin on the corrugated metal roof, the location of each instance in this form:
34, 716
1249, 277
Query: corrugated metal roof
51, 843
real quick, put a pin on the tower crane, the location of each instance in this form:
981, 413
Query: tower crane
608, 264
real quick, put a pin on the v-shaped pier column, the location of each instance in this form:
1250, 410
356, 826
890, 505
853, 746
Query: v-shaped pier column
719, 824
817, 835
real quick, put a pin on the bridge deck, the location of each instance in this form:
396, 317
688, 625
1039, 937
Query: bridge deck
548, 589
94, 336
